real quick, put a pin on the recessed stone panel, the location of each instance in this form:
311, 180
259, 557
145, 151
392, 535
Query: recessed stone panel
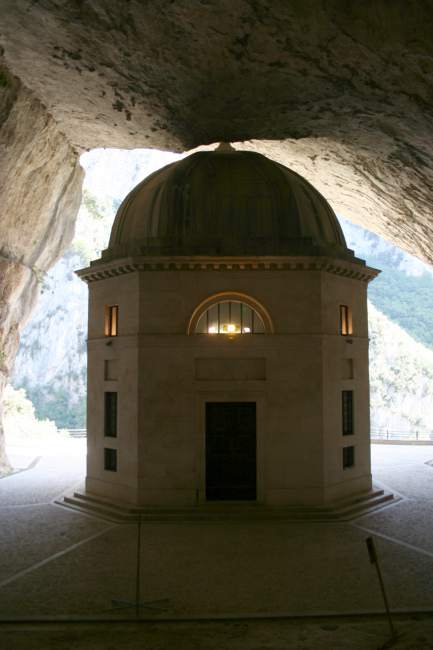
230, 369
111, 369
347, 369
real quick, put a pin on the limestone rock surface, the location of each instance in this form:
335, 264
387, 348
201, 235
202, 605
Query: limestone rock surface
40, 182
340, 91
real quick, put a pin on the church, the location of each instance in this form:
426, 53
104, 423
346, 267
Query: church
227, 343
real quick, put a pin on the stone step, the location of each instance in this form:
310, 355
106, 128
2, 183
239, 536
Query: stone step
103, 510
114, 513
344, 510
210, 509
361, 508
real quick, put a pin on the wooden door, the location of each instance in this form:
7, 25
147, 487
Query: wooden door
231, 451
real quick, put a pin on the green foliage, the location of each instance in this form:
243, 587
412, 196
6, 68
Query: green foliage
93, 227
406, 300
83, 249
401, 376
20, 419
16, 403
56, 405
94, 208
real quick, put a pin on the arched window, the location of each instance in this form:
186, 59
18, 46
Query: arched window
230, 317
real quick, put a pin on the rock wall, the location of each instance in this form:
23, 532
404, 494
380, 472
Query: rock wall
40, 190
339, 91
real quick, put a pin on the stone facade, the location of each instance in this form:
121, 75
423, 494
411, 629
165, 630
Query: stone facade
185, 403
164, 375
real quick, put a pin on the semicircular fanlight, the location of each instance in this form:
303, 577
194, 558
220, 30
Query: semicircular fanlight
230, 317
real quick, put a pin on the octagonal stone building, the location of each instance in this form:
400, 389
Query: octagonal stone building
228, 343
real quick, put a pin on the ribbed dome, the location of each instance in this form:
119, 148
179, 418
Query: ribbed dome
225, 203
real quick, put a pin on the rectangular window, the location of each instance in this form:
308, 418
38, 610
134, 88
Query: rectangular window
110, 415
111, 369
348, 457
346, 323
347, 369
347, 412
110, 459
111, 320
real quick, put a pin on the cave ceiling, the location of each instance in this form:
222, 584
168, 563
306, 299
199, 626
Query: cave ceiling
340, 91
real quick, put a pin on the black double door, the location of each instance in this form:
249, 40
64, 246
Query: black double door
231, 463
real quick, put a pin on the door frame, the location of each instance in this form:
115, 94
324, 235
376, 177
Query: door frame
229, 396
232, 432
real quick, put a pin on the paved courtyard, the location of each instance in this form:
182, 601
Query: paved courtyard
55, 562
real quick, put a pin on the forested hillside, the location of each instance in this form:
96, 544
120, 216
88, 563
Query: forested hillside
404, 289
51, 363
401, 378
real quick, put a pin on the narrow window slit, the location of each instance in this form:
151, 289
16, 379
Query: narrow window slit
111, 320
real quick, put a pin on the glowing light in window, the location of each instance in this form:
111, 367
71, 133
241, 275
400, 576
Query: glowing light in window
110, 320
230, 317
346, 321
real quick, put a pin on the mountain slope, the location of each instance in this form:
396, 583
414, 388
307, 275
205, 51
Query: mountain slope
404, 289
401, 377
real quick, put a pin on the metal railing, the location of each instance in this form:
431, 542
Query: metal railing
376, 433
384, 433
77, 433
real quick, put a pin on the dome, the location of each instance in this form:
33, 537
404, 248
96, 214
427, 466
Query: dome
225, 203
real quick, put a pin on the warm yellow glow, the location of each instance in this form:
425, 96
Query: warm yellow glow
227, 328
229, 317
349, 321
230, 328
110, 320
346, 322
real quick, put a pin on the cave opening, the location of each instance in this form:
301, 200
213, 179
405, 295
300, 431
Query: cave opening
48, 387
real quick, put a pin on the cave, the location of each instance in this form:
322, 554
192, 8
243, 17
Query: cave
339, 92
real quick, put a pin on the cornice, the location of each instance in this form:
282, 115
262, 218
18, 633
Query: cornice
101, 271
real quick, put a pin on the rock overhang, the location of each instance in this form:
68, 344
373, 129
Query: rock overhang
341, 97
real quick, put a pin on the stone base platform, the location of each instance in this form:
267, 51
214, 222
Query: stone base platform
343, 510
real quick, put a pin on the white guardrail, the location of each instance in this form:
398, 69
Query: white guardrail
381, 434
384, 434
77, 433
